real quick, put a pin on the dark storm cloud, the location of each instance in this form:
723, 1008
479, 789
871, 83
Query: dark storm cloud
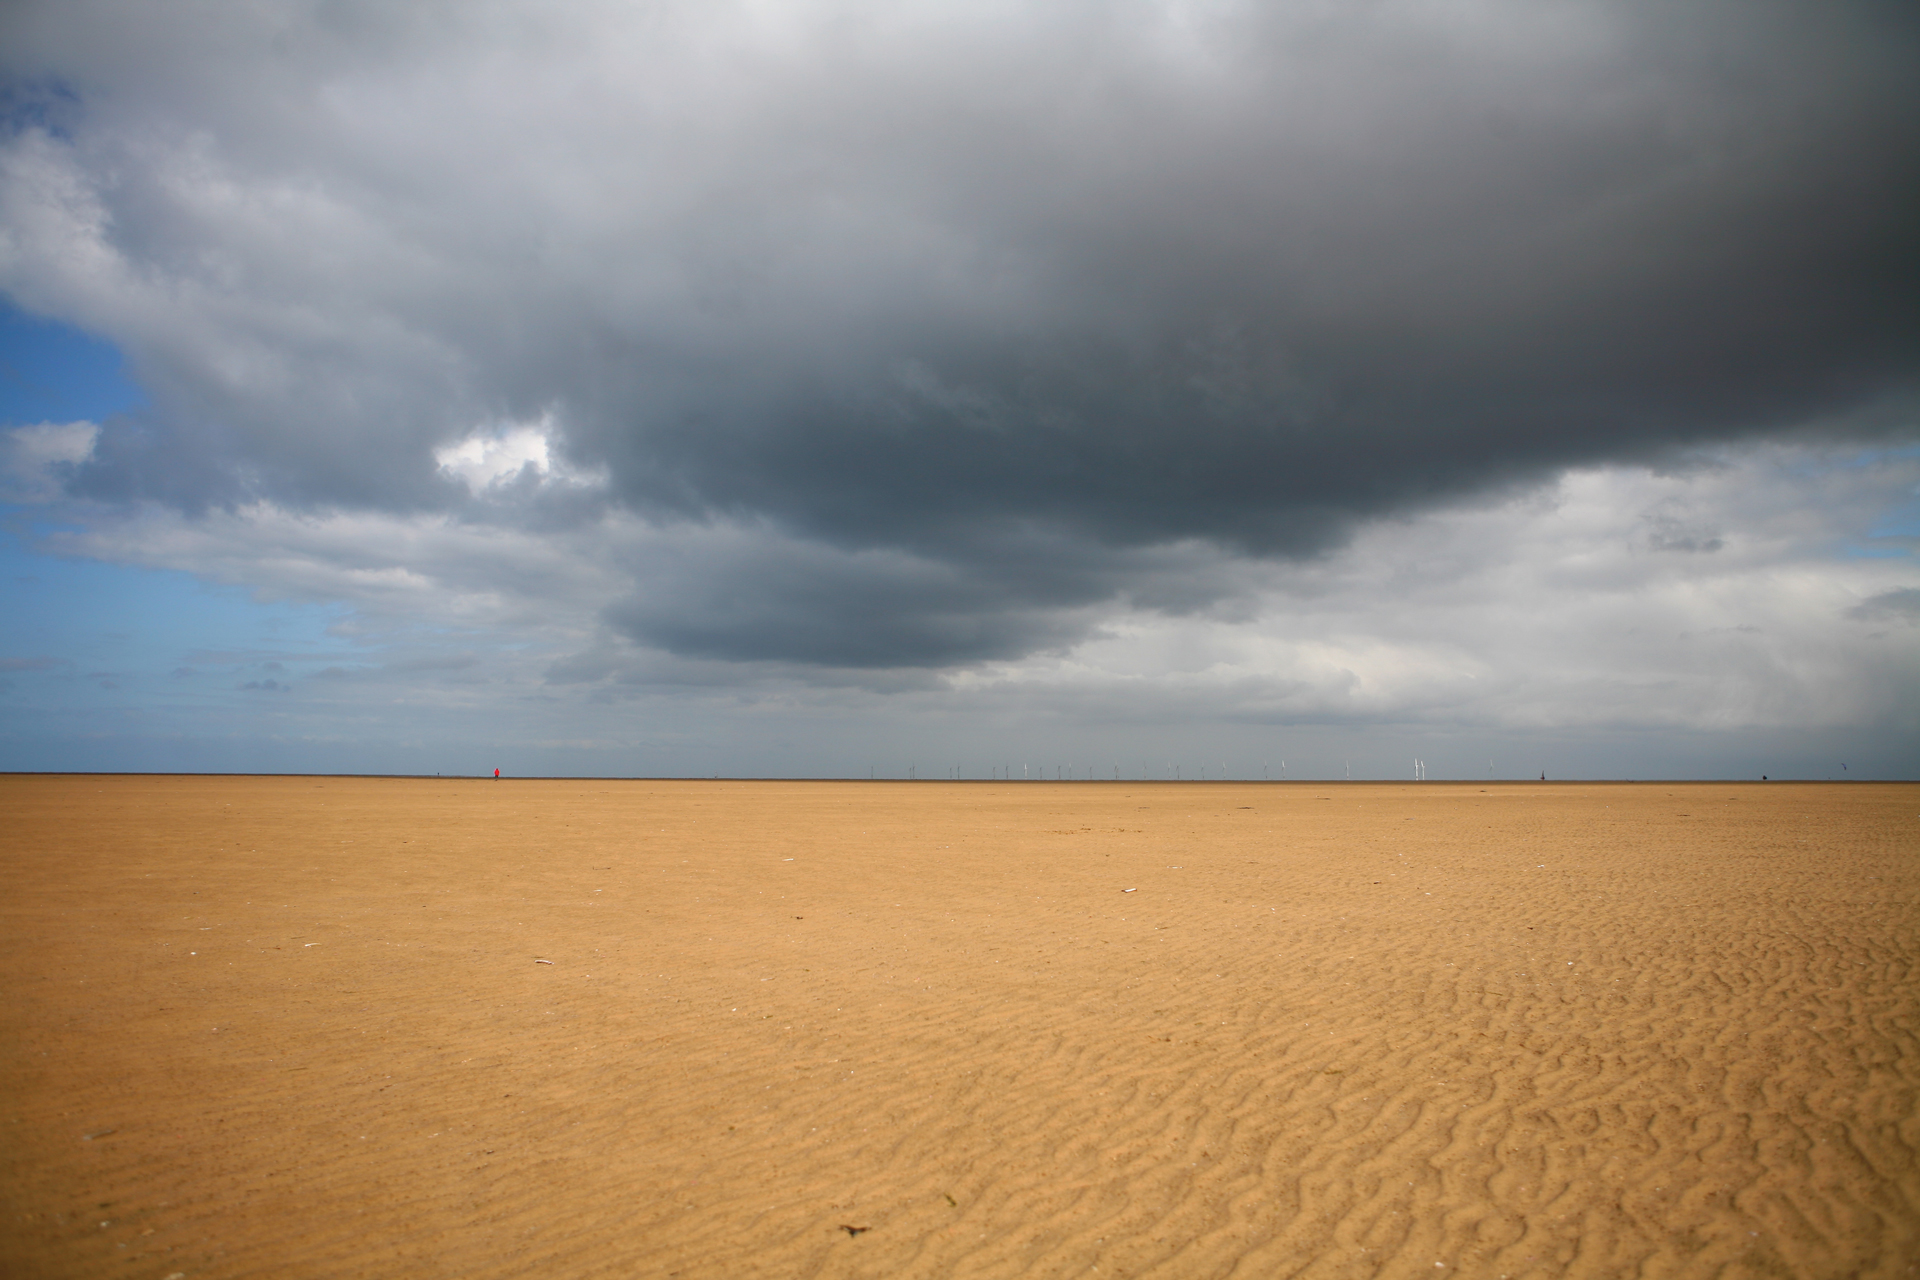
846, 614
751, 596
967, 307
1232, 325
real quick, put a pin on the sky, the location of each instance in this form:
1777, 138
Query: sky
933, 389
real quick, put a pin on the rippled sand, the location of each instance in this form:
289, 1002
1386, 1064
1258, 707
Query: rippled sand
301, 1027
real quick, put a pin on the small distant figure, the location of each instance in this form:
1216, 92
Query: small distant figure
496, 774
1543, 775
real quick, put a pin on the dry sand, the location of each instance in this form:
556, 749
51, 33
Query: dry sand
298, 1027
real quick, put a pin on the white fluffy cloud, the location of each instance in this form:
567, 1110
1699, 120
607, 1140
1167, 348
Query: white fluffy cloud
36, 461
488, 458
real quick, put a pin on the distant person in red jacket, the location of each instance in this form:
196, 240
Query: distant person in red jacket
496, 773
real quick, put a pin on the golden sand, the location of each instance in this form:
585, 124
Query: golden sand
301, 1027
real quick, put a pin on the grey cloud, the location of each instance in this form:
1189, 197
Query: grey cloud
1541, 612
37, 461
431, 662
1670, 529
623, 670
1903, 603
987, 593
926, 292
855, 619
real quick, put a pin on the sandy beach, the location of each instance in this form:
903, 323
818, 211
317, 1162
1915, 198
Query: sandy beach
326, 1027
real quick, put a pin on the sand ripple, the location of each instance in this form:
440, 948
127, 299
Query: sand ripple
296, 1027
